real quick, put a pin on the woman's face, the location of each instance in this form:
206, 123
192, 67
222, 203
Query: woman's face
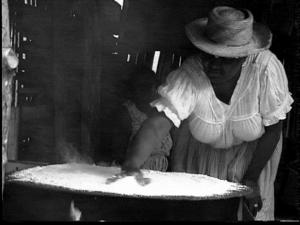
220, 67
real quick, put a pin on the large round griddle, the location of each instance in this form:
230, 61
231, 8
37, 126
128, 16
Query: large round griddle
91, 179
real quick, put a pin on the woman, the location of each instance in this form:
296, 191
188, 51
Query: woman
138, 91
228, 103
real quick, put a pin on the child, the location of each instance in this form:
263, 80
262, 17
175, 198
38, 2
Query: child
139, 90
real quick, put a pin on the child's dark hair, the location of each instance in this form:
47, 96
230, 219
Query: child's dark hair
142, 78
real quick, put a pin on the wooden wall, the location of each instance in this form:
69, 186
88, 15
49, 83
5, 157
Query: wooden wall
62, 47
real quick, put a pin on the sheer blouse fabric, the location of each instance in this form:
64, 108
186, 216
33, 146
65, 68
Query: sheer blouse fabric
261, 98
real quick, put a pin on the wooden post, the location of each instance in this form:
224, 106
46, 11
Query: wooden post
5, 25
9, 63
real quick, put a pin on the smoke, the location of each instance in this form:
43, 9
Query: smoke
69, 154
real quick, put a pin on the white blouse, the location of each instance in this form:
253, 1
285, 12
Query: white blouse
260, 98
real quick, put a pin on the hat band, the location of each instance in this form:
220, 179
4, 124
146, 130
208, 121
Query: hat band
230, 45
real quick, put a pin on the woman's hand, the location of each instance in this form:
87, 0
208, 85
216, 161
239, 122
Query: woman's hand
253, 201
130, 171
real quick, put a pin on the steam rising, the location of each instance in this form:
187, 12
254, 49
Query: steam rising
69, 154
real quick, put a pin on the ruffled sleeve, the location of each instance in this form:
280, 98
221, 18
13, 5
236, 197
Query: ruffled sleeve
178, 94
275, 98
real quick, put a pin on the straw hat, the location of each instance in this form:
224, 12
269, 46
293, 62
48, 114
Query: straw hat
229, 32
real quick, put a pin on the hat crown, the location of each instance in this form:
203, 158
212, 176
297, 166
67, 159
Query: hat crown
231, 14
229, 26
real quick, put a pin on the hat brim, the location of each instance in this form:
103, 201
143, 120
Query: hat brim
261, 39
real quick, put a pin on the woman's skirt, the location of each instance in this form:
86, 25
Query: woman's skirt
191, 156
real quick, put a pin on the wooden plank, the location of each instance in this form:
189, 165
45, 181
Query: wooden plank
5, 25
12, 153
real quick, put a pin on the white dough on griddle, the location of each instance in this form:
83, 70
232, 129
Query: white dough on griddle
92, 178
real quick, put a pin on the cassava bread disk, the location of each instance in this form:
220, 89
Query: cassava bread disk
90, 179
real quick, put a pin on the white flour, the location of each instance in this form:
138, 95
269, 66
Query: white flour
91, 178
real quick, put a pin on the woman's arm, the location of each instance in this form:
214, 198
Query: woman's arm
264, 150
149, 135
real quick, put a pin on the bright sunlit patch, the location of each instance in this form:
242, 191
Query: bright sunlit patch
75, 213
155, 61
120, 2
